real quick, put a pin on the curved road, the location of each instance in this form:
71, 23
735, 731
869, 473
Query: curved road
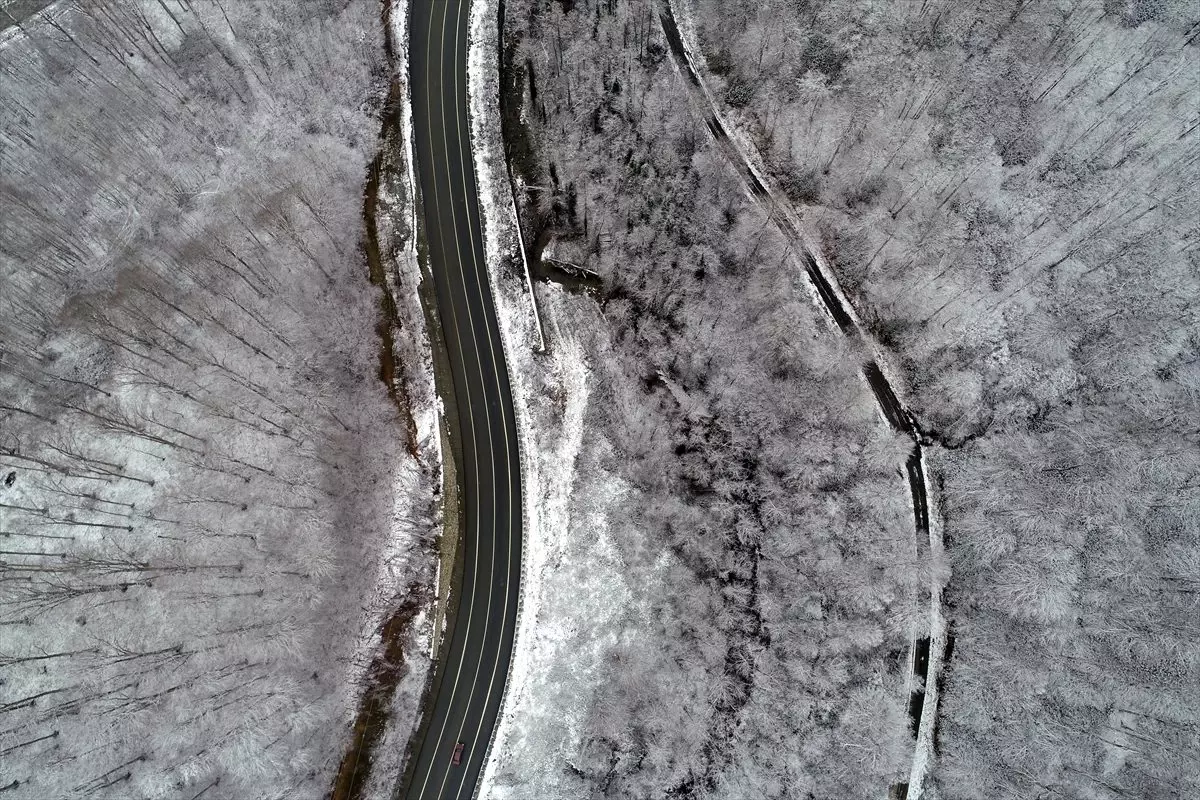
473, 663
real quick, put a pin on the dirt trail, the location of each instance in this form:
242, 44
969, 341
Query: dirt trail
928, 653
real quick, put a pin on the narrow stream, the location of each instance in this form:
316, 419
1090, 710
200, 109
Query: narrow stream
521, 162
388, 666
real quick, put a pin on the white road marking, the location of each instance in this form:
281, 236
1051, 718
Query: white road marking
508, 472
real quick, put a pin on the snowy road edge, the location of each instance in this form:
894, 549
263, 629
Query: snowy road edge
52, 11
428, 410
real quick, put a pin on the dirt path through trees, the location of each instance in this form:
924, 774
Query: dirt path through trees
927, 653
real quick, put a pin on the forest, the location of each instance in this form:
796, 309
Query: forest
214, 490
209, 501
1015, 214
1007, 193
734, 606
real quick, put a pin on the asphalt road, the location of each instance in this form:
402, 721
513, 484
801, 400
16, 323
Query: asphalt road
473, 665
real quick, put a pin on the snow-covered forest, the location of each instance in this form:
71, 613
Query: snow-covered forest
732, 610
1007, 192
218, 477
208, 500
1015, 213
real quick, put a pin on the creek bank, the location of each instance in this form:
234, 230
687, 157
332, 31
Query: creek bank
526, 183
402, 369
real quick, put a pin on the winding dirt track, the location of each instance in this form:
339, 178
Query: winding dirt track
922, 704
